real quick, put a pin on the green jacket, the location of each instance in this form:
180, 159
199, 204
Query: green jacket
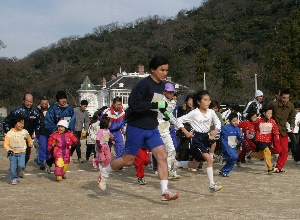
283, 114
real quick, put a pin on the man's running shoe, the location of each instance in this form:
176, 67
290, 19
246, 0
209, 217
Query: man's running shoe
167, 196
102, 182
215, 187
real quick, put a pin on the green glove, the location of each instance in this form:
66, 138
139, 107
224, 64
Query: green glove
167, 114
159, 105
162, 104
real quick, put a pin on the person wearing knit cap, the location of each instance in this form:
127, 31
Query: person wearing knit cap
255, 105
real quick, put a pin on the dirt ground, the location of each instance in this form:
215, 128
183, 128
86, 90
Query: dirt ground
247, 194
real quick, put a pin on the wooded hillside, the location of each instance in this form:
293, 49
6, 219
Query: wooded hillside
228, 40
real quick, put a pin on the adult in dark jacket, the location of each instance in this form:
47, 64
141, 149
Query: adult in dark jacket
283, 112
31, 120
43, 153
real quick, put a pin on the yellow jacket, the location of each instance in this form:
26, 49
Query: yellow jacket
16, 140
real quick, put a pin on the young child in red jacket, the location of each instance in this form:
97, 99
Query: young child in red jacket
248, 129
265, 129
61, 141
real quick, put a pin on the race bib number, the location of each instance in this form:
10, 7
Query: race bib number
68, 119
17, 143
232, 141
265, 128
163, 126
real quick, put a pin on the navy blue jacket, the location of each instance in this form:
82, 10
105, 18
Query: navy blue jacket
139, 102
31, 117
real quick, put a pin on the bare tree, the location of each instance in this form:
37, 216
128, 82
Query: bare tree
2, 44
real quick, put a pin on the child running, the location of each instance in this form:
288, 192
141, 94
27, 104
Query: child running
142, 159
102, 147
164, 130
230, 134
248, 129
94, 127
265, 128
200, 119
61, 142
15, 146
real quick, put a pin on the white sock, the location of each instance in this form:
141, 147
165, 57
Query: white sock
106, 171
212, 155
210, 175
275, 158
183, 164
163, 185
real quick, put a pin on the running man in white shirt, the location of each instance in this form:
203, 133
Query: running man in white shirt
200, 119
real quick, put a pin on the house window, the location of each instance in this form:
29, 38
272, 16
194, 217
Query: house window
124, 96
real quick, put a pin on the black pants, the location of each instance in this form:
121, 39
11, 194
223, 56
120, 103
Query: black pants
28, 153
184, 150
78, 145
90, 148
50, 161
294, 144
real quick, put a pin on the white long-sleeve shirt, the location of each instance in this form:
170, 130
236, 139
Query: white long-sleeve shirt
297, 121
164, 126
200, 122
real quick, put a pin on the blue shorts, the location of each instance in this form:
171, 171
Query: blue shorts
199, 146
136, 137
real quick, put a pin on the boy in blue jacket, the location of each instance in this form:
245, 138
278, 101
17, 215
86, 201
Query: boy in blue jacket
230, 135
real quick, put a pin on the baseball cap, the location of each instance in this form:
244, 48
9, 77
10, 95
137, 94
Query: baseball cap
169, 87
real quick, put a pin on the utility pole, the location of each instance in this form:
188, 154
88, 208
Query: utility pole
204, 83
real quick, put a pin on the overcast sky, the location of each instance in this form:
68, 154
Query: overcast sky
27, 25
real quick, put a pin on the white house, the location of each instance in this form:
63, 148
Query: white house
120, 85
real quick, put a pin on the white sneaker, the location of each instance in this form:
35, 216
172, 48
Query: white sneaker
215, 187
192, 169
173, 175
297, 162
102, 182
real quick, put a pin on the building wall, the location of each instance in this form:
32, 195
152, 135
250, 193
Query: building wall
3, 112
91, 97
